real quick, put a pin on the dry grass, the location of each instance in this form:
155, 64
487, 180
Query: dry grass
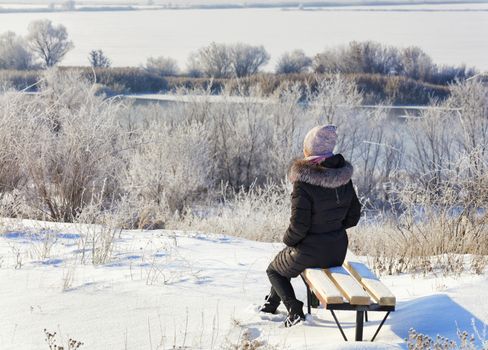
465, 341
53, 343
260, 213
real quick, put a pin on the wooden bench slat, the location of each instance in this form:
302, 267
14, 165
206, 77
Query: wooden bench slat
324, 289
348, 285
380, 293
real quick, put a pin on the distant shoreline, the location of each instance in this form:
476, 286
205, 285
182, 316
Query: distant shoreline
353, 6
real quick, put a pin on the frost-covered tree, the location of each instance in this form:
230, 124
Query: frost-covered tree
49, 42
359, 57
416, 63
164, 66
374, 57
213, 60
224, 61
98, 59
193, 67
13, 52
293, 62
247, 59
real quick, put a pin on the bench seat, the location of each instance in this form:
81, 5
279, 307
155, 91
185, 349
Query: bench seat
352, 286
372, 284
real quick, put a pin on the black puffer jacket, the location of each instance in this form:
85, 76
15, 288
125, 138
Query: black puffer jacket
324, 204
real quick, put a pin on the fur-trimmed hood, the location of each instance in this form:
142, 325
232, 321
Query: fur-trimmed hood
318, 175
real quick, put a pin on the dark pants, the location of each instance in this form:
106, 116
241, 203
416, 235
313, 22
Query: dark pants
281, 288
324, 251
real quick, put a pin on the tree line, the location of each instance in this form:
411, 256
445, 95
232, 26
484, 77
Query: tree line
46, 45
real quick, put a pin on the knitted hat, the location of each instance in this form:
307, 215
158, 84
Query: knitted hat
320, 141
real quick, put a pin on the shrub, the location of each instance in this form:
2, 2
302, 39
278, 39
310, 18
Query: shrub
213, 60
13, 52
246, 138
225, 61
127, 80
416, 64
374, 58
168, 170
293, 62
70, 148
163, 66
20, 80
260, 213
98, 59
359, 57
437, 191
246, 59
11, 176
419, 341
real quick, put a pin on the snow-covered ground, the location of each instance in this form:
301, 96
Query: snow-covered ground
130, 37
173, 289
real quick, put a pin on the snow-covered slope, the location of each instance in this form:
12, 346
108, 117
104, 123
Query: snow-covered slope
167, 289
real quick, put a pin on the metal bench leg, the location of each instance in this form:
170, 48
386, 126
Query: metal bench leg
359, 325
309, 296
309, 300
338, 324
365, 316
381, 325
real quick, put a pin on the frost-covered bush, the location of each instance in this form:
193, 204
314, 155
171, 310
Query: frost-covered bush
259, 213
13, 52
68, 145
251, 140
293, 62
98, 59
212, 60
375, 58
359, 57
228, 60
465, 341
437, 193
164, 66
10, 173
247, 59
169, 169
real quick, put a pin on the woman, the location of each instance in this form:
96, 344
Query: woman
324, 205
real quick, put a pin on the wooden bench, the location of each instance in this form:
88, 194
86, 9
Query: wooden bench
350, 287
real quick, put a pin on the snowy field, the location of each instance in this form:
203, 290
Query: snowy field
130, 37
168, 289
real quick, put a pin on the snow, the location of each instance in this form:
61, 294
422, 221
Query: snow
165, 289
196, 98
130, 37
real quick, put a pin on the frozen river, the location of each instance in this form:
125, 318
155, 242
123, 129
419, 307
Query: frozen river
450, 35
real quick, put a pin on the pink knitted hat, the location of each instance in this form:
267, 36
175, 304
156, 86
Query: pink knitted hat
320, 141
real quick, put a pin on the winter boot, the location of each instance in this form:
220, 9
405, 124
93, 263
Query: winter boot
271, 303
295, 312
